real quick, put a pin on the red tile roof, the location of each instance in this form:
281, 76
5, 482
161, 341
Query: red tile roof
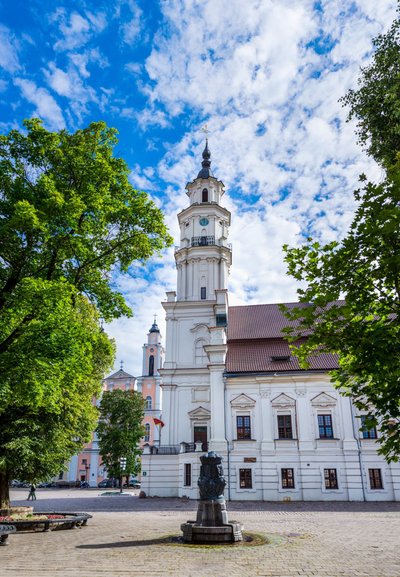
255, 337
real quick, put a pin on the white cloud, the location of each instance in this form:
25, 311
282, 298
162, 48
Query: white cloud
70, 85
46, 106
267, 77
76, 29
81, 60
131, 29
8, 50
133, 67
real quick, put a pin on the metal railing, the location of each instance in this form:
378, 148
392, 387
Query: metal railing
165, 450
203, 240
176, 449
191, 447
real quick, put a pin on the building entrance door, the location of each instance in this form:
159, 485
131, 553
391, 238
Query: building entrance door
200, 434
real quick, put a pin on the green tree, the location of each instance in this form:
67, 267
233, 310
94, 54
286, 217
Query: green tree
120, 430
363, 269
70, 220
364, 329
376, 103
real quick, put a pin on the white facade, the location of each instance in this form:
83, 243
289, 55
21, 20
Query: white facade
323, 456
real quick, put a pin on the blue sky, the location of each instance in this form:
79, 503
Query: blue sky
265, 75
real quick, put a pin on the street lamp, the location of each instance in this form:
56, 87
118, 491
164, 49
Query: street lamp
122, 466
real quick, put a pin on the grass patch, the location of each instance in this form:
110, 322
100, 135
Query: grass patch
250, 539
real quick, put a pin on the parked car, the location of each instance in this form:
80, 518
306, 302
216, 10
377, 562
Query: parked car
107, 483
19, 484
47, 485
134, 483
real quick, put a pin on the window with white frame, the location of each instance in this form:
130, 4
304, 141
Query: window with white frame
367, 431
326, 416
243, 420
287, 478
325, 426
375, 478
331, 480
284, 408
147, 432
245, 479
285, 430
187, 481
243, 427
148, 403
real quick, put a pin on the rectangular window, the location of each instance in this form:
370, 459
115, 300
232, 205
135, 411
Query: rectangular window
375, 478
243, 428
245, 479
188, 475
367, 432
220, 320
203, 293
325, 426
285, 427
330, 479
287, 478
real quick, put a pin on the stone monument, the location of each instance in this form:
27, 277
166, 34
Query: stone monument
211, 525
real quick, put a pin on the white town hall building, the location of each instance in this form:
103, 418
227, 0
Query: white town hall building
230, 384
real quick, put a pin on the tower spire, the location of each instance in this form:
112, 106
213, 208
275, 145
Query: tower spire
205, 172
154, 327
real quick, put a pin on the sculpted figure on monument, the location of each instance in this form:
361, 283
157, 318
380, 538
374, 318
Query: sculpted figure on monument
211, 481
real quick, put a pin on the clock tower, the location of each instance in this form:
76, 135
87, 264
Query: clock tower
196, 318
204, 257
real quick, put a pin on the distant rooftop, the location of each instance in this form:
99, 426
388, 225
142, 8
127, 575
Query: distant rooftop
121, 374
256, 343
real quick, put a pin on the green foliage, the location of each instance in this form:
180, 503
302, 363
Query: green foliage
69, 221
364, 269
120, 430
69, 212
376, 103
364, 330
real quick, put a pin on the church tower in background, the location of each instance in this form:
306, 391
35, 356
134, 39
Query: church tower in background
149, 384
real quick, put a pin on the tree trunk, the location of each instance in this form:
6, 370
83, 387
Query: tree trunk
4, 491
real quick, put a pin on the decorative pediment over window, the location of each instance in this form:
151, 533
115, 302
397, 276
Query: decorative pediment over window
200, 328
243, 402
199, 414
282, 401
323, 400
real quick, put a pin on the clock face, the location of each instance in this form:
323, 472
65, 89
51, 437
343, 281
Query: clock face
204, 221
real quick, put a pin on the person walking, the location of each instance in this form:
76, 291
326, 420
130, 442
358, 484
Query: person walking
32, 493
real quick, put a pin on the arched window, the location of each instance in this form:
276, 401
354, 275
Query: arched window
200, 355
149, 402
204, 195
147, 433
151, 365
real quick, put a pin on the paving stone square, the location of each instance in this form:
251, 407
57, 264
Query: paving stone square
125, 537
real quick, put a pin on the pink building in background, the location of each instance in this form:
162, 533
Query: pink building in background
87, 465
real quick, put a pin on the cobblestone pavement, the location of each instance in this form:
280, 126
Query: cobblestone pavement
124, 539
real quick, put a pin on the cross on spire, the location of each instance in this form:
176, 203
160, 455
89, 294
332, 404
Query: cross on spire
205, 130
122, 366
